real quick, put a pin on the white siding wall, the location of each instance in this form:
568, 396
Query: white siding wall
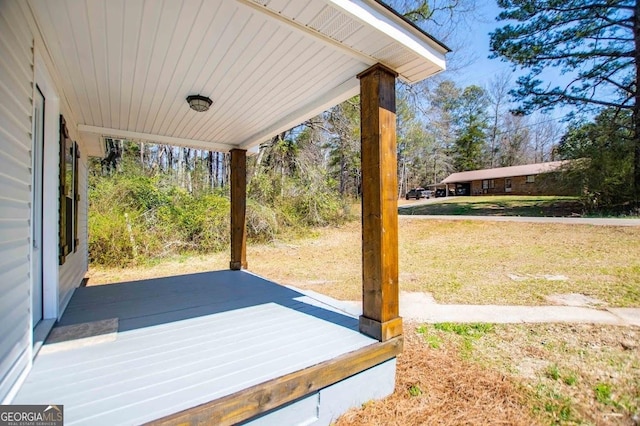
16, 93
16, 75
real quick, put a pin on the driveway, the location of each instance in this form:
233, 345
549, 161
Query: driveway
402, 203
564, 220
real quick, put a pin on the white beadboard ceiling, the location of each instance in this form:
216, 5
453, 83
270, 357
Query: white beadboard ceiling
127, 66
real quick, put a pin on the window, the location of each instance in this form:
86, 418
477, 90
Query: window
531, 179
488, 184
69, 194
507, 185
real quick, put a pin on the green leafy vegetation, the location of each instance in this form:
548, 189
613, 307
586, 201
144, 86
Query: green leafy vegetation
457, 335
553, 372
556, 407
432, 340
605, 161
570, 379
145, 206
595, 44
603, 393
414, 390
468, 330
572, 373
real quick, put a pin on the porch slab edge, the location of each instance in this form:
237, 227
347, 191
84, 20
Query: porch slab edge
270, 395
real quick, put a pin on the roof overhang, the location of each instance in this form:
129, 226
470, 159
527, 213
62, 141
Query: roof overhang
506, 172
126, 67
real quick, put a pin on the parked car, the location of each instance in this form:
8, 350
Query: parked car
418, 193
441, 192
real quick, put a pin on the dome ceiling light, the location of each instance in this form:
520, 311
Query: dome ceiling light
199, 103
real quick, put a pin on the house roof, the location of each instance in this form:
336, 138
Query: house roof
126, 67
502, 172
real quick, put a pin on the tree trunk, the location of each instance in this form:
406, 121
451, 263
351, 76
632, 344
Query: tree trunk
210, 169
142, 155
636, 108
342, 172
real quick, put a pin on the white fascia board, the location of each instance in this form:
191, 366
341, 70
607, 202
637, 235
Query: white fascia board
169, 140
375, 18
346, 90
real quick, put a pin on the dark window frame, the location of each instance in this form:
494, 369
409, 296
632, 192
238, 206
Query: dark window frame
488, 184
69, 194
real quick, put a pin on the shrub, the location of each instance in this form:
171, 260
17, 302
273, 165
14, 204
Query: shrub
134, 218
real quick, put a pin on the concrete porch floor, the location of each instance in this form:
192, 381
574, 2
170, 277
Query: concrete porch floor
139, 352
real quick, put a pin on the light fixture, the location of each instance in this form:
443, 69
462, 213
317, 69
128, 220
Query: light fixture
199, 103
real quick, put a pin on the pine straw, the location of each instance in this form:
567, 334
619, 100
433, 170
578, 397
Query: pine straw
453, 392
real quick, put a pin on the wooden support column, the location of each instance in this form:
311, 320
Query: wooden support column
238, 209
380, 313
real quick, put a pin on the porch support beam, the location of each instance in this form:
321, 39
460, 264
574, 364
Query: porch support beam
238, 209
380, 313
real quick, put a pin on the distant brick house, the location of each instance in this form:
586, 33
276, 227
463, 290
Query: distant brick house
514, 180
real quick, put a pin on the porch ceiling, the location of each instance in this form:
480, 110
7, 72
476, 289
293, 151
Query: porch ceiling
126, 67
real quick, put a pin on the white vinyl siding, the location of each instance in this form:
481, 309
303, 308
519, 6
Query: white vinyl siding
16, 78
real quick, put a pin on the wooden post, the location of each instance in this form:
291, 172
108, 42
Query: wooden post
380, 313
238, 209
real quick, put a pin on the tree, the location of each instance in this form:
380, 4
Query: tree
514, 141
497, 92
607, 145
443, 100
343, 131
545, 135
470, 116
595, 43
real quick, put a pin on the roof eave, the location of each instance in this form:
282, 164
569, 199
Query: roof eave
413, 26
389, 22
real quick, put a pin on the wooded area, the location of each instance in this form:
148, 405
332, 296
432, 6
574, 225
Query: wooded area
150, 200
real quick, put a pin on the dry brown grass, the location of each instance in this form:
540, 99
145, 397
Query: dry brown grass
471, 262
436, 387
512, 374
458, 262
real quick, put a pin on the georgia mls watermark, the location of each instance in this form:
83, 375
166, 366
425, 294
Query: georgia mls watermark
31, 415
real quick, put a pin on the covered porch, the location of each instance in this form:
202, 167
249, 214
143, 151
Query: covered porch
218, 348
227, 347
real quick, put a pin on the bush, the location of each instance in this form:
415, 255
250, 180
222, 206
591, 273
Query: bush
134, 218
262, 222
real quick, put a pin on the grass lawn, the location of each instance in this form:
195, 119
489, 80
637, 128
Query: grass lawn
457, 261
502, 205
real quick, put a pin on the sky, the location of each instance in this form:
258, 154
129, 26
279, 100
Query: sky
482, 69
